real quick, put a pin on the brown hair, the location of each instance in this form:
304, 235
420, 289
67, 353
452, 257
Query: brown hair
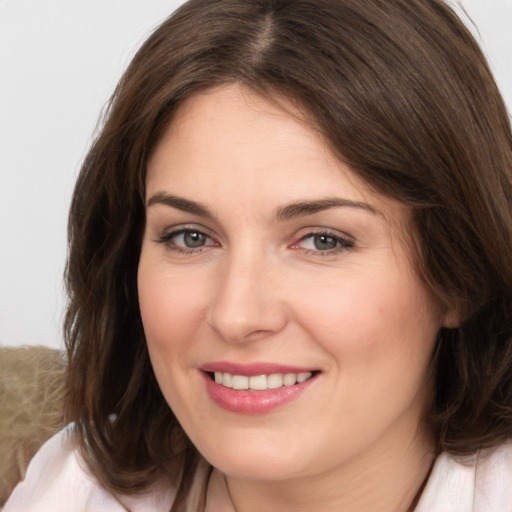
403, 94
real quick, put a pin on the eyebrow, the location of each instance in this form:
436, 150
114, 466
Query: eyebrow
304, 208
180, 203
282, 213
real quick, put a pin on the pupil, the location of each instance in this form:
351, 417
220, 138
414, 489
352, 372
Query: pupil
324, 242
193, 239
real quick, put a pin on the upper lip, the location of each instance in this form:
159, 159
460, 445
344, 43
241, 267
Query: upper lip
250, 369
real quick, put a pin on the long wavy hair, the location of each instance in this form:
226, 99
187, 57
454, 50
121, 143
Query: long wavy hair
402, 93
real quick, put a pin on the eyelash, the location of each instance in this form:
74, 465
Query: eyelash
342, 243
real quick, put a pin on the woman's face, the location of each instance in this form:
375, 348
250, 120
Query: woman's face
266, 263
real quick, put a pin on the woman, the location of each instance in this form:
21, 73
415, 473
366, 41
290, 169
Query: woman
289, 271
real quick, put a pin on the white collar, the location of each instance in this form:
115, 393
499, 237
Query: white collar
480, 483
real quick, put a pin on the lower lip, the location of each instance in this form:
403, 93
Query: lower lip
253, 402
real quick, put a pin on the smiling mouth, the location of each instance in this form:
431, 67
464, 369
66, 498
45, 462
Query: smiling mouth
260, 382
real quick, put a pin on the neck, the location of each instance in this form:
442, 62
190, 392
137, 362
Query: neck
383, 478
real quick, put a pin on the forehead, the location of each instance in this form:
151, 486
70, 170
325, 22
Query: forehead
231, 142
231, 122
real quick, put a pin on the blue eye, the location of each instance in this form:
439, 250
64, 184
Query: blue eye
324, 242
185, 240
190, 239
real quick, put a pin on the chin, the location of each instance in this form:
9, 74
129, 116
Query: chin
257, 469
261, 459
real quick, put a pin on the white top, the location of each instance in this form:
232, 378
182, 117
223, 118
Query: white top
57, 481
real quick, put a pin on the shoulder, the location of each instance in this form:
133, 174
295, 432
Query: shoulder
466, 484
493, 479
58, 480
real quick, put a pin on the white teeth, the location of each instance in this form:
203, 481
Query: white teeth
275, 381
289, 379
260, 382
301, 377
240, 382
227, 380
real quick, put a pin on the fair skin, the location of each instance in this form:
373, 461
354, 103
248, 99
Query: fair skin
231, 273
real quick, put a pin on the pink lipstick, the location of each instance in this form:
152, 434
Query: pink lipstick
255, 388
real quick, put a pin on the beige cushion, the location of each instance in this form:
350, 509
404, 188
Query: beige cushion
31, 407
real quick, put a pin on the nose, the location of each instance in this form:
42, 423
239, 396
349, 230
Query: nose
247, 304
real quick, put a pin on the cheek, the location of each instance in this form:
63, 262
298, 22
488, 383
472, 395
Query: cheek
170, 309
170, 305
379, 334
380, 320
